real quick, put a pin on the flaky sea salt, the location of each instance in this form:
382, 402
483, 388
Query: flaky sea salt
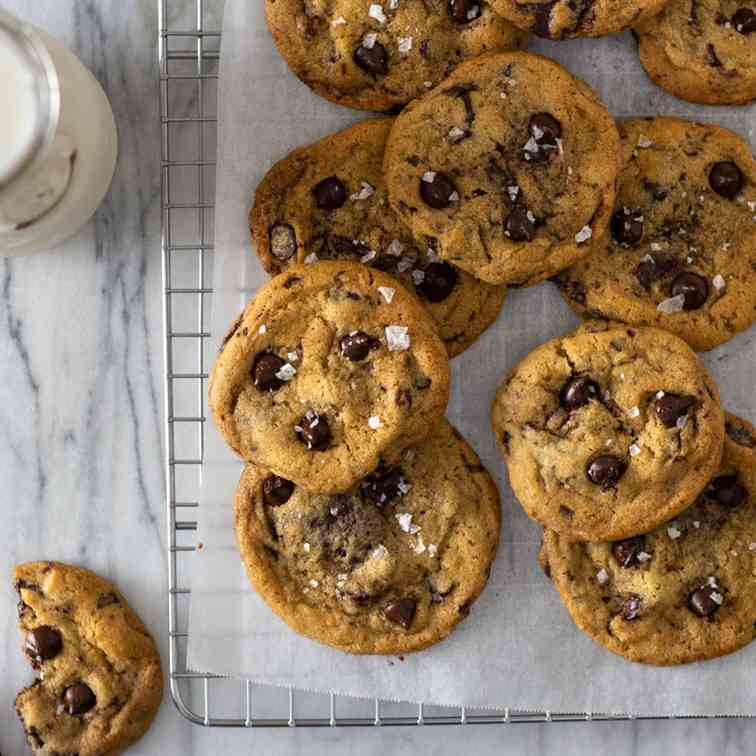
696, 524
368, 256
365, 192
397, 338
387, 293
673, 304
395, 248
404, 44
306, 548
405, 522
418, 276
643, 556
405, 264
634, 412
602, 576
429, 177
644, 141
432, 549
338, 21
376, 11
375, 422
584, 234
393, 4
456, 133
680, 422
286, 372
634, 450
379, 551
292, 356
673, 532
717, 598
262, 329
719, 282
314, 583
311, 258
513, 191
369, 40
454, 197
752, 546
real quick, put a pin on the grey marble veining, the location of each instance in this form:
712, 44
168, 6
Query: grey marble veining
81, 470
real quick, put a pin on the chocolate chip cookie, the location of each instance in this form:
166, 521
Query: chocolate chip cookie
332, 367
100, 682
328, 201
609, 431
562, 19
507, 169
684, 591
380, 54
702, 50
390, 566
681, 252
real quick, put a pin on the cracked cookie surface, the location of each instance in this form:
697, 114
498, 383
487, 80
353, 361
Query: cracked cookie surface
332, 367
507, 168
380, 54
562, 19
608, 431
683, 592
702, 50
681, 252
290, 223
100, 679
388, 567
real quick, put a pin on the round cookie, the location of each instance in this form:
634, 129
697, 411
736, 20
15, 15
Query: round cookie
388, 567
100, 682
702, 50
608, 431
681, 252
683, 592
331, 368
563, 19
508, 168
329, 200
380, 54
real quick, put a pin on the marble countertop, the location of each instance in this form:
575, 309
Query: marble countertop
81, 457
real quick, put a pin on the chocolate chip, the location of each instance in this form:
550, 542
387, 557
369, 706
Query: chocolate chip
542, 18
740, 435
605, 470
705, 601
726, 490
438, 282
313, 431
657, 191
694, 288
34, 739
23, 609
462, 91
373, 59
264, 370
438, 191
401, 612
276, 490
383, 486
330, 193
725, 178
545, 129
107, 599
653, 267
627, 226
78, 699
43, 643
671, 407
626, 552
711, 56
520, 225
744, 20
463, 11
578, 391
356, 346
283, 241
631, 607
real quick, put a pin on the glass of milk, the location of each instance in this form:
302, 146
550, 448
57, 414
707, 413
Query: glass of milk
58, 140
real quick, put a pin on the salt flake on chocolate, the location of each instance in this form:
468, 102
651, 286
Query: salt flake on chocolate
376, 12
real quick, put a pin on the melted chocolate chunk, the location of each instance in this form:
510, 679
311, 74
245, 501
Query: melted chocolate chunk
627, 226
357, 346
541, 19
264, 370
107, 599
401, 612
657, 191
726, 490
631, 607
544, 132
373, 59
740, 435
653, 267
438, 282
78, 699
705, 601
313, 431
726, 179
694, 288
578, 391
383, 486
283, 241
626, 552
330, 193
605, 470
439, 192
276, 490
744, 20
43, 643
671, 407
462, 91
464, 11
520, 225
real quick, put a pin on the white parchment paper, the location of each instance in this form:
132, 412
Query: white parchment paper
518, 648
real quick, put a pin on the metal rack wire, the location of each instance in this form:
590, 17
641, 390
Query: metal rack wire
188, 53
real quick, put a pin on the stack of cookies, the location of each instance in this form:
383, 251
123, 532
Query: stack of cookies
364, 519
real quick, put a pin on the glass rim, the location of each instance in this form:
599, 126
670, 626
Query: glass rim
48, 86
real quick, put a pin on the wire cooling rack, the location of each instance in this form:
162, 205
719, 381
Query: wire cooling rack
188, 52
